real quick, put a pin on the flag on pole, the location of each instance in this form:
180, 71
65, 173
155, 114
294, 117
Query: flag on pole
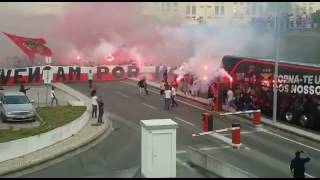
30, 46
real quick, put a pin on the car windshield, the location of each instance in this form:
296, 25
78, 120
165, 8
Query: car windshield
15, 100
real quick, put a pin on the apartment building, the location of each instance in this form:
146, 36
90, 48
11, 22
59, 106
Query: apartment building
221, 12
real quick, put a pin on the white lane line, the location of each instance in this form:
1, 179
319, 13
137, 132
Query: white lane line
126, 82
157, 92
292, 141
180, 161
266, 131
197, 107
181, 152
177, 118
308, 175
214, 148
150, 106
122, 94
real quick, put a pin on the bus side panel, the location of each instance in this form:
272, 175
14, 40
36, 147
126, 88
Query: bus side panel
298, 88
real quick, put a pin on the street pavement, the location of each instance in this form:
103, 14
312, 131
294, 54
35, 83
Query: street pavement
266, 153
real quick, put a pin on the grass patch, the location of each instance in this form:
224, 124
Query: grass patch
52, 117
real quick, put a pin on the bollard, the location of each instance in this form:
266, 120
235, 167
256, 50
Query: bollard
216, 98
216, 104
236, 135
257, 119
207, 121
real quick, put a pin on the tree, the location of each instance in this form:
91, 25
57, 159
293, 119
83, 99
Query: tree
283, 7
316, 17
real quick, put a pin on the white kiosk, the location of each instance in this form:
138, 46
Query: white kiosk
158, 148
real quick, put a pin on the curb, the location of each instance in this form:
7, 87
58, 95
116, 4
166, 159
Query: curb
107, 129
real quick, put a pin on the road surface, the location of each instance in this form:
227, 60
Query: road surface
265, 154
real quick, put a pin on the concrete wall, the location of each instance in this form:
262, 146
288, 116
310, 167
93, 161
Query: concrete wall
219, 167
16, 148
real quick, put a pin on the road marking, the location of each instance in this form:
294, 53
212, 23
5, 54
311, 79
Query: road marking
309, 176
177, 118
181, 152
214, 148
180, 161
197, 107
150, 106
129, 83
266, 131
292, 141
156, 92
122, 94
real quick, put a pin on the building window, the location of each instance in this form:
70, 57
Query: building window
168, 4
188, 10
193, 10
222, 11
162, 6
310, 10
175, 4
235, 10
216, 10
209, 6
235, 3
261, 9
248, 12
201, 6
253, 12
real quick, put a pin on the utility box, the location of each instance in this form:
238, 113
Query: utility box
158, 148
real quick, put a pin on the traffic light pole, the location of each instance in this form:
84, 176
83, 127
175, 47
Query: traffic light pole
275, 84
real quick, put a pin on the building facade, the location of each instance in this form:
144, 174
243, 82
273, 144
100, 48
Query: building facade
222, 12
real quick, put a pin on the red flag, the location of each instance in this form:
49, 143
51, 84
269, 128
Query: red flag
30, 46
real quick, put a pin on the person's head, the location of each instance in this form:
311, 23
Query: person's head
93, 92
52, 87
90, 71
21, 85
297, 154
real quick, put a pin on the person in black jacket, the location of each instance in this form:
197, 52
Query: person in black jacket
100, 109
23, 89
297, 165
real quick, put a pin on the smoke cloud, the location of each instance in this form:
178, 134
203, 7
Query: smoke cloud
94, 31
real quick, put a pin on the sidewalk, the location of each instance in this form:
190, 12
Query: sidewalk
266, 121
86, 135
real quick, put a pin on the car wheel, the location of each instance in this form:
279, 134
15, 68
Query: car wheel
288, 116
304, 121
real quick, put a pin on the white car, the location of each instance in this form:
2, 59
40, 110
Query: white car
15, 106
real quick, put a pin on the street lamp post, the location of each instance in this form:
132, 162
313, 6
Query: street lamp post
276, 59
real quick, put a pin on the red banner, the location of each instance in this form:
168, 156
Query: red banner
30, 46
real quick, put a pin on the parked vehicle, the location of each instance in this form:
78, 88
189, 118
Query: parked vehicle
16, 107
298, 87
